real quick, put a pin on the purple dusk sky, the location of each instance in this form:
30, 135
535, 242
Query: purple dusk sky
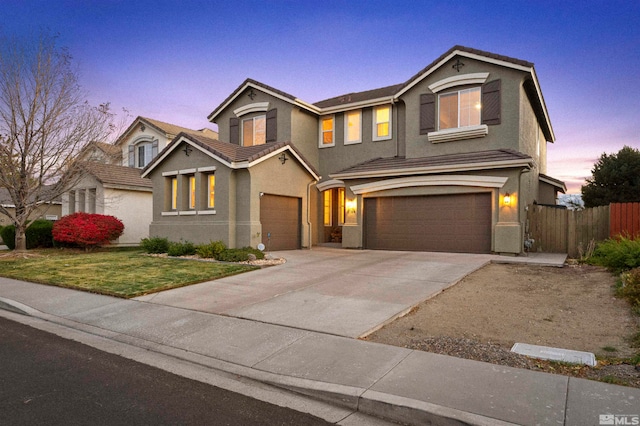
176, 61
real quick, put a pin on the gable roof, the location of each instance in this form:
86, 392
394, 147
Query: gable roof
117, 176
262, 87
111, 151
169, 130
233, 156
398, 166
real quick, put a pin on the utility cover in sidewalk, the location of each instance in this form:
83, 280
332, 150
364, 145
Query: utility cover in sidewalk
555, 354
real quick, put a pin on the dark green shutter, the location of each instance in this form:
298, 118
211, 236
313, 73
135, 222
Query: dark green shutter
427, 113
132, 156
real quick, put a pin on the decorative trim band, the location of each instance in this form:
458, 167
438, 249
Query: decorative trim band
254, 107
416, 181
459, 80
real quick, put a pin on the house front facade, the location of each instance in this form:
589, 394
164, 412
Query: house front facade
446, 161
111, 183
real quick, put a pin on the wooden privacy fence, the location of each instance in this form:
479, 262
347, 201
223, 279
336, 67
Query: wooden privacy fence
624, 219
558, 230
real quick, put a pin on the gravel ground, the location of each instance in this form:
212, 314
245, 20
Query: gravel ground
482, 316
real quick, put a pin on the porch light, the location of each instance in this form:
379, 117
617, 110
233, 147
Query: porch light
507, 199
350, 205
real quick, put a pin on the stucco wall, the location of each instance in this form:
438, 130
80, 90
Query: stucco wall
503, 135
133, 208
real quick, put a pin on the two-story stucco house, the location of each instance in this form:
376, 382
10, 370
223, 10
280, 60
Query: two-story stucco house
446, 161
112, 184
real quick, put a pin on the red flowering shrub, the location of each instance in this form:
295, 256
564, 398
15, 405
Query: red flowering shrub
87, 230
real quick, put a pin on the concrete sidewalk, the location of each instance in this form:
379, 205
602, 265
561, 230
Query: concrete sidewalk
390, 382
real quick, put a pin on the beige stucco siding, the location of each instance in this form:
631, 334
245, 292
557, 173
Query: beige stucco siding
500, 136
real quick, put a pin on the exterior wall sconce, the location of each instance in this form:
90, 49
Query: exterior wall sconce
507, 199
350, 206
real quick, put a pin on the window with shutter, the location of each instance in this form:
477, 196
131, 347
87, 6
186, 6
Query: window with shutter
234, 130
427, 113
272, 125
491, 104
132, 156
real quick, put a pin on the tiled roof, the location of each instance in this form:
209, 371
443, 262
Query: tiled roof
242, 86
232, 153
111, 174
378, 165
171, 129
392, 90
107, 148
360, 96
6, 201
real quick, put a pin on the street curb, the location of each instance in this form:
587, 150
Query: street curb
369, 402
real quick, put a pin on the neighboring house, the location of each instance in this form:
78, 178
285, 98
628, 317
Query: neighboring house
446, 161
45, 210
112, 184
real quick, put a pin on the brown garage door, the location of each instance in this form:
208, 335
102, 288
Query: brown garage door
280, 217
452, 223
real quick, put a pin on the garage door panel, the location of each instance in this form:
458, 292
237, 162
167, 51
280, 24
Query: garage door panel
281, 219
454, 223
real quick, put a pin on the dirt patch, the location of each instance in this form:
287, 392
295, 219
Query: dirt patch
487, 312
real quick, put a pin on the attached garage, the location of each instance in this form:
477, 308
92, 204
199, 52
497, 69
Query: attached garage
281, 222
458, 223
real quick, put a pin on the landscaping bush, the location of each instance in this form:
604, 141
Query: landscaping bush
211, 250
87, 230
618, 255
155, 245
38, 234
182, 248
630, 288
239, 255
8, 234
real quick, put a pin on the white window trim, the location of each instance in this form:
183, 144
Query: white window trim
458, 133
346, 127
458, 80
374, 127
254, 107
320, 132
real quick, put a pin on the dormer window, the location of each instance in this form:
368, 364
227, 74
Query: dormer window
461, 108
141, 153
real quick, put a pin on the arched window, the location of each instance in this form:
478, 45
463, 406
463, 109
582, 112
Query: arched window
141, 153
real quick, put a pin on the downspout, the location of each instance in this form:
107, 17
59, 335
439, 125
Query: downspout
313, 182
522, 211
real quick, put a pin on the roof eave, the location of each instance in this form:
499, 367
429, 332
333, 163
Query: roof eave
408, 171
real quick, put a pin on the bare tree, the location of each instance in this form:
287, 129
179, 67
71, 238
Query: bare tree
44, 123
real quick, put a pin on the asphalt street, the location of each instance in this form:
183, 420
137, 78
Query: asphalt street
45, 379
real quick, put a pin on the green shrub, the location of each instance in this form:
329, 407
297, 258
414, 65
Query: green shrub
38, 234
155, 245
618, 255
211, 250
182, 248
239, 255
630, 288
8, 234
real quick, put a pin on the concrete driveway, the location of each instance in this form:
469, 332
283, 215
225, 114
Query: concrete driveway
343, 292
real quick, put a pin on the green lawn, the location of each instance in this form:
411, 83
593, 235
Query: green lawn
115, 273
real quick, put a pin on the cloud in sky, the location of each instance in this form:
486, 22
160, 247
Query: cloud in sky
177, 60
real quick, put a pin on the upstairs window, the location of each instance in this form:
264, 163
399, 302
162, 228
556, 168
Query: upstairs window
142, 153
326, 131
254, 131
460, 109
382, 123
352, 127
211, 191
